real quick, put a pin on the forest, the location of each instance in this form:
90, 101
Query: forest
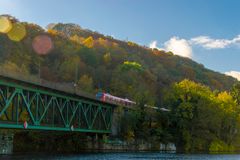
204, 104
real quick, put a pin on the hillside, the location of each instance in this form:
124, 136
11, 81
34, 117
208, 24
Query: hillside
204, 104
98, 62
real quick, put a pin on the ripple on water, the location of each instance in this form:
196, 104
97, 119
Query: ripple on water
122, 156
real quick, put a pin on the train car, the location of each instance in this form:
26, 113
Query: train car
106, 97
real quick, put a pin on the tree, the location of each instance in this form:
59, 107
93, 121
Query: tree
131, 65
235, 92
88, 42
200, 115
68, 69
85, 83
13, 69
107, 57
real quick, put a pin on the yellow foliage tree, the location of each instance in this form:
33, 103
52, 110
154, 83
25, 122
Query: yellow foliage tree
77, 39
107, 57
85, 83
52, 32
13, 69
101, 41
131, 44
88, 42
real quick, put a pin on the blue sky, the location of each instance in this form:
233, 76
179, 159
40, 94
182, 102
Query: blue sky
205, 30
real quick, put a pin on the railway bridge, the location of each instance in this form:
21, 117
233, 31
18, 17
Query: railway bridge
27, 105
41, 105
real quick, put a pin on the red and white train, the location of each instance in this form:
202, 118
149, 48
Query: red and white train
105, 97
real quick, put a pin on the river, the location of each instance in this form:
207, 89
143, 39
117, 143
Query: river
122, 156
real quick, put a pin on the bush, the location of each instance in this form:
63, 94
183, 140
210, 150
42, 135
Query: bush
220, 146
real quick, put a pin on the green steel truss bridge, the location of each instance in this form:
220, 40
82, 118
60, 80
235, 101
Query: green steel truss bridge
25, 105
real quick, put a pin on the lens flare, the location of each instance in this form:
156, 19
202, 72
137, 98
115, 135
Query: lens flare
5, 25
42, 44
17, 33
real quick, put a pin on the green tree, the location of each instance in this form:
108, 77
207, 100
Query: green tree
68, 69
107, 57
235, 92
85, 83
200, 115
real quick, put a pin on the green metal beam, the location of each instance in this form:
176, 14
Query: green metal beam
44, 109
15, 126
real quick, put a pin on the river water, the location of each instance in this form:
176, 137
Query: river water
122, 156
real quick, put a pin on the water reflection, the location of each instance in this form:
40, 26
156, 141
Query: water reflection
127, 156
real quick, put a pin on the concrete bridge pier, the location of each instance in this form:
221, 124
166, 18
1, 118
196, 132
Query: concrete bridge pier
95, 142
6, 143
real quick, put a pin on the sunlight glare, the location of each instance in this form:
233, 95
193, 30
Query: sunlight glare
42, 44
5, 24
17, 33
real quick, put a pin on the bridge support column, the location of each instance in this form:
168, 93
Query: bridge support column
95, 142
118, 112
6, 143
100, 142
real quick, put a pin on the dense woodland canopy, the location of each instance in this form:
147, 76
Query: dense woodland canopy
204, 105
83, 56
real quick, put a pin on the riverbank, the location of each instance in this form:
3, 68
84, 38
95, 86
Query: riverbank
52, 142
25, 142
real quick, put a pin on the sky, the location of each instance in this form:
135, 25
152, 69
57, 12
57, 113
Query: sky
207, 31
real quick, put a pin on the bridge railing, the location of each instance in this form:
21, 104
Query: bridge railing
68, 87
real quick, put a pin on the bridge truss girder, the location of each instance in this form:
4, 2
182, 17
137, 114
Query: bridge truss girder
45, 110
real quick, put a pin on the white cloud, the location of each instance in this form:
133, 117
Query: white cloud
210, 43
234, 74
153, 44
183, 47
179, 47
236, 40
176, 45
